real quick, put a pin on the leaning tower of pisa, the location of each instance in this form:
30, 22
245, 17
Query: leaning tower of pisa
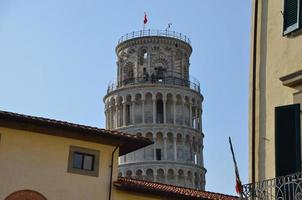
154, 96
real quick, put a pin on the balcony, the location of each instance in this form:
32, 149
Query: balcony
169, 80
149, 32
287, 187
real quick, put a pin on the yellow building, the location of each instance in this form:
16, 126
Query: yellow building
275, 98
44, 159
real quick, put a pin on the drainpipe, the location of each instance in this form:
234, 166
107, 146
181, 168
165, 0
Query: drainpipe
111, 170
254, 93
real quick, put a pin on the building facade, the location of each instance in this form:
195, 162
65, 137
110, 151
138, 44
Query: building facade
155, 97
45, 159
49, 159
275, 99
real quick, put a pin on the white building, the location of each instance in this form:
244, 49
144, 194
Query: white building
155, 97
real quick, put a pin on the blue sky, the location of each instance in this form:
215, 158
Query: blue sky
57, 57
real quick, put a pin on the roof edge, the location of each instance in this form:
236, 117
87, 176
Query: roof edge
126, 141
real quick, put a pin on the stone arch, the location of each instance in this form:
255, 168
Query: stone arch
26, 194
159, 108
128, 109
181, 177
196, 180
169, 109
187, 149
189, 180
180, 147
159, 146
138, 108
170, 147
139, 174
142, 55
194, 150
149, 150
149, 174
148, 108
128, 173
160, 68
171, 176
160, 177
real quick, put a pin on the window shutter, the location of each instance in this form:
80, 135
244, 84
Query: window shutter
287, 139
291, 16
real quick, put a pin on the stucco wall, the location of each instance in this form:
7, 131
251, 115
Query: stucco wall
39, 162
277, 56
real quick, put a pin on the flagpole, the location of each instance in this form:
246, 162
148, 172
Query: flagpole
238, 181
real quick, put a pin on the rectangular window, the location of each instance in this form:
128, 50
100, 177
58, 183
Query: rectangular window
292, 16
83, 161
287, 140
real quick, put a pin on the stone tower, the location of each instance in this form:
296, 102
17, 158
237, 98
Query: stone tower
155, 97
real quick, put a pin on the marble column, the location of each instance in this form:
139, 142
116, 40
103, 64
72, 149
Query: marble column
154, 148
196, 118
133, 111
110, 117
154, 111
165, 110
174, 111
116, 116
124, 113
175, 148
183, 111
190, 114
143, 111
165, 148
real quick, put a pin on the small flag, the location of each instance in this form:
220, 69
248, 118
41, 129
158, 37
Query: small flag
238, 187
145, 19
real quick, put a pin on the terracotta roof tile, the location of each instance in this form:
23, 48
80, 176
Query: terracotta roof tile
168, 190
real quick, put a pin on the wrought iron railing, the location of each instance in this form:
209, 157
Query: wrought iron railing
149, 32
192, 83
281, 188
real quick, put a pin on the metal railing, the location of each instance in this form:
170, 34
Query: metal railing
149, 32
281, 188
192, 83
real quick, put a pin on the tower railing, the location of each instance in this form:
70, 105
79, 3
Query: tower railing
171, 79
150, 32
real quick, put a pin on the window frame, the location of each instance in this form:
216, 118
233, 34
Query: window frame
95, 154
294, 28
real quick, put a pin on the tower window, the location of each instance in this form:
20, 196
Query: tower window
158, 154
143, 55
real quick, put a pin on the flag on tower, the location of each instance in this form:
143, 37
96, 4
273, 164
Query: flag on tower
145, 19
238, 186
